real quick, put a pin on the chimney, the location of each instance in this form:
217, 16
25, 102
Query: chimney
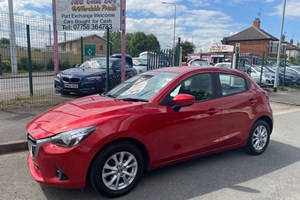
256, 23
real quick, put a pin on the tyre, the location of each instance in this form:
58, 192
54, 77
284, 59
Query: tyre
117, 169
258, 138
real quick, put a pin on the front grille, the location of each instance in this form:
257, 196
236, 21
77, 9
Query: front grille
71, 80
35, 145
31, 145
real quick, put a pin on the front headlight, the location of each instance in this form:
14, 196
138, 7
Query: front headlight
93, 78
73, 137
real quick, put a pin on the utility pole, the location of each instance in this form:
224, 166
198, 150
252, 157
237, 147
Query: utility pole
279, 48
13, 46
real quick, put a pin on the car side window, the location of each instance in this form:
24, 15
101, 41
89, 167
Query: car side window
232, 84
118, 63
200, 86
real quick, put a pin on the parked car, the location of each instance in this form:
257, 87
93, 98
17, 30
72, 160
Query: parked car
285, 78
151, 120
223, 65
267, 78
127, 57
245, 68
90, 76
140, 64
198, 63
295, 72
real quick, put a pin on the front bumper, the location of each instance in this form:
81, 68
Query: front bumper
81, 88
50, 159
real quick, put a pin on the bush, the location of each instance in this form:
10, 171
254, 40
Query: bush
37, 66
6, 66
65, 65
50, 65
23, 65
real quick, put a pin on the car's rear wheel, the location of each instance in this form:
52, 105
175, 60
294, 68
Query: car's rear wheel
117, 169
259, 138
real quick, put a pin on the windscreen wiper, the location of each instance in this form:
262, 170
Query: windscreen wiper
107, 95
134, 99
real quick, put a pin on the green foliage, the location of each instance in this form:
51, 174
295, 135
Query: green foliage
4, 41
115, 38
295, 61
65, 65
50, 65
23, 65
187, 48
136, 43
6, 67
139, 42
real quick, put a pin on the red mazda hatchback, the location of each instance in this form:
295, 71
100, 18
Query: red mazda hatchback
151, 120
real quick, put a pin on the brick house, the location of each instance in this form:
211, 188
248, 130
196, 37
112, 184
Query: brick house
74, 46
254, 41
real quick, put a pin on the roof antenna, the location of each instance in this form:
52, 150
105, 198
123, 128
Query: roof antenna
259, 13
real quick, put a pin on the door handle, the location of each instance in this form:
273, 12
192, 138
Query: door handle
212, 111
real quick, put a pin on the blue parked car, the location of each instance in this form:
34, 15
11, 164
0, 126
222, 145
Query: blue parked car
90, 76
287, 78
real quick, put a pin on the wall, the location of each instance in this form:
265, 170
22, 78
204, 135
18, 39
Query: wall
255, 47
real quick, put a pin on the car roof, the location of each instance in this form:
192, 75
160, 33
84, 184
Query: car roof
185, 70
226, 63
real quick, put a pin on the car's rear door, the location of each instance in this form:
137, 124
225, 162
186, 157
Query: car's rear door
238, 102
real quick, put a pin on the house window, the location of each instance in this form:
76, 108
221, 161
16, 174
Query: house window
101, 47
70, 46
273, 47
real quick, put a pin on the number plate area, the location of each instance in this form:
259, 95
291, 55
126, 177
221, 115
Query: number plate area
68, 85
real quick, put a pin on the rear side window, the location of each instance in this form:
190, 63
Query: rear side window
232, 84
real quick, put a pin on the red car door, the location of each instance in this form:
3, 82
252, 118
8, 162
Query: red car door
194, 128
238, 103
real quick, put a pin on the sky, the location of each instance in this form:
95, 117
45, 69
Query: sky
202, 22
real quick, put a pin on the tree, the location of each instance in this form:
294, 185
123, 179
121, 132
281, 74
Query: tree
4, 41
115, 39
187, 48
136, 43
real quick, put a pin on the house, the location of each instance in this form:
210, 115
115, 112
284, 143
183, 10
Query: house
97, 43
255, 41
292, 51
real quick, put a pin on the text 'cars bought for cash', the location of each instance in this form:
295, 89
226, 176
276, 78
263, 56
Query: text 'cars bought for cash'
151, 120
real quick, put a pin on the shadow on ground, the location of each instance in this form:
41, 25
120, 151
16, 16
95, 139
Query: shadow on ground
200, 176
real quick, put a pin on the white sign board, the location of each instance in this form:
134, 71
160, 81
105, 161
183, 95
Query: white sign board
221, 48
88, 15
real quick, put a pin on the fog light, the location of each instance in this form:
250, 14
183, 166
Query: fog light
61, 175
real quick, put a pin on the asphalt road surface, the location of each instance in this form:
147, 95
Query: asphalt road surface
232, 175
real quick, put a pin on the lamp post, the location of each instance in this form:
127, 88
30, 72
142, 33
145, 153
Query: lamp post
13, 46
174, 28
279, 47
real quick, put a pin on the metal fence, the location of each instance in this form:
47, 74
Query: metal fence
17, 89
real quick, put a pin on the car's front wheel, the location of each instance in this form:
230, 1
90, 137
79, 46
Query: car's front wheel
117, 169
259, 138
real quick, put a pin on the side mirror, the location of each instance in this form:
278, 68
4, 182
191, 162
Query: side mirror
182, 100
